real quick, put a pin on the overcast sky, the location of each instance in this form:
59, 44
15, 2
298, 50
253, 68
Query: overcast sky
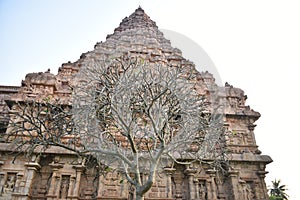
255, 46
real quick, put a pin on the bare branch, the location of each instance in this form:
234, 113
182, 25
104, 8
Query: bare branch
128, 114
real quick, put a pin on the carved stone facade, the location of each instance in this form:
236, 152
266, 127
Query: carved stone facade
59, 174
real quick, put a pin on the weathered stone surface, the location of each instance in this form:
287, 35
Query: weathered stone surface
59, 174
5, 93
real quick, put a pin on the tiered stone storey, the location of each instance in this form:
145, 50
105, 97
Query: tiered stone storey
59, 174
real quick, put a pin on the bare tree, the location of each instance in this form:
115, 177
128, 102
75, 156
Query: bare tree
40, 124
131, 115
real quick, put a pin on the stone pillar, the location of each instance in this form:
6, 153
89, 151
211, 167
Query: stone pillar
19, 183
2, 181
190, 172
258, 190
242, 189
169, 171
233, 177
2, 177
79, 170
31, 169
264, 190
197, 192
71, 187
57, 185
213, 187
52, 185
209, 191
100, 187
53, 191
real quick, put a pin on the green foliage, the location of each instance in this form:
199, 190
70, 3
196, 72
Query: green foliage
275, 198
277, 191
108, 169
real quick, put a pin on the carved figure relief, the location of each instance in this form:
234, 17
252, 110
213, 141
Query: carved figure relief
64, 187
245, 189
10, 183
237, 137
248, 194
202, 190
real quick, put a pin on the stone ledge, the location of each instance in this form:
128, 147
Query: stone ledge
250, 157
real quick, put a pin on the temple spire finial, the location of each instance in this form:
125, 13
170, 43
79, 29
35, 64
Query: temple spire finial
140, 9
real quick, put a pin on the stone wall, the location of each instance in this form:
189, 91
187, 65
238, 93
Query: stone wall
63, 176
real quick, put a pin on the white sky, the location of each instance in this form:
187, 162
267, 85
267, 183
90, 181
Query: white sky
255, 46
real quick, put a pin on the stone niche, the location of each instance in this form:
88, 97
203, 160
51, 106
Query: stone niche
64, 177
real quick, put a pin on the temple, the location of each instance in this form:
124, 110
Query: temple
60, 174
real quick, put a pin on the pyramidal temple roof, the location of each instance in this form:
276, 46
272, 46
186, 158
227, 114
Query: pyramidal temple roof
137, 35
137, 19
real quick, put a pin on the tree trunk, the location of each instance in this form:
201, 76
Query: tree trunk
139, 196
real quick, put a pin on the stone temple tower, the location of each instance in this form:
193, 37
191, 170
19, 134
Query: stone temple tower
60, 174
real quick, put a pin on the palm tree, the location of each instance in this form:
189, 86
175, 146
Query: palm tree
277, 192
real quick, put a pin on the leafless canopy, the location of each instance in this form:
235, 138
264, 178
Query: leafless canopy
131, 115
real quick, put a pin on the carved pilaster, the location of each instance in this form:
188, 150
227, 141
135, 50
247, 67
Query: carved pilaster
233, 176
79, 170
264, 192
72, 185
19, 183
100, 187
169, 172
212, 185
209, 190
2, 181
31, 170
190, 172
258, 191
57, 185
55, 182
